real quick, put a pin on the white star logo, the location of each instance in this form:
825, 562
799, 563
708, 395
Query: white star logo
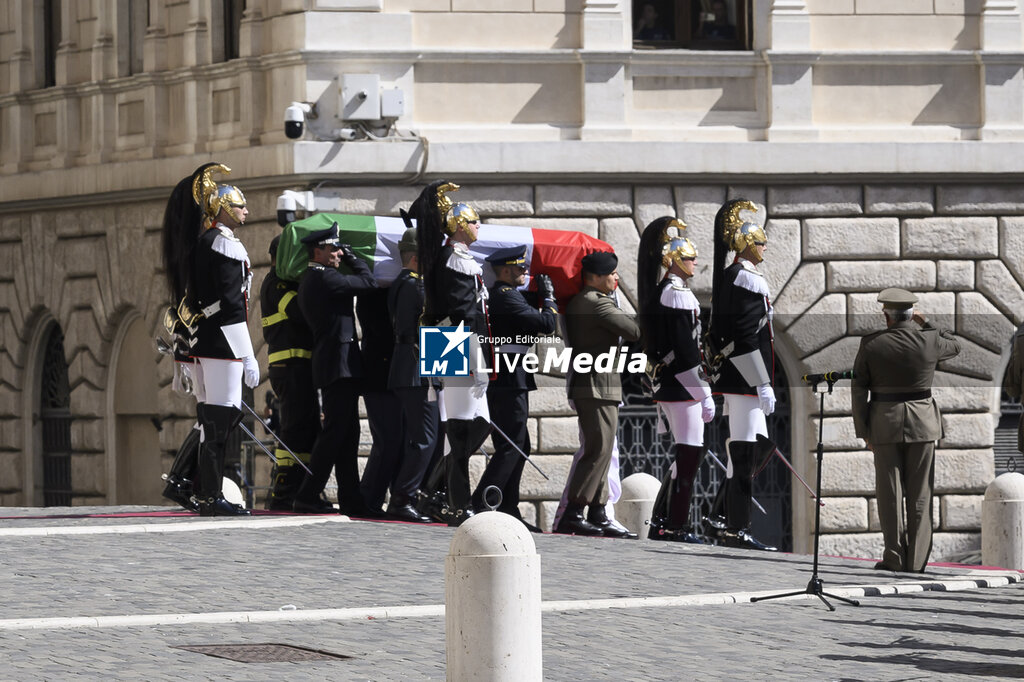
456, 338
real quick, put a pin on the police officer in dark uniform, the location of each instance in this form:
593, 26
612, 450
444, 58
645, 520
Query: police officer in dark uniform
326, 299
290, 352
417, 396
383, 409
514, 321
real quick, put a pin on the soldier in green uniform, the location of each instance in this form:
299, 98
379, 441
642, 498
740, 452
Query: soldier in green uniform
895, 414
595, 325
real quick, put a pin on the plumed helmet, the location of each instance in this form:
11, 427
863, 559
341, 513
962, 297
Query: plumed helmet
675, 247
739, 232
459, 215
212, 197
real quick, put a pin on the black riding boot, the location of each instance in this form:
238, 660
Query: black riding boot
182, 476
464, 437
217, 421
677, 525
745, 456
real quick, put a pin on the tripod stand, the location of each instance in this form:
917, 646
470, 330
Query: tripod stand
816, 586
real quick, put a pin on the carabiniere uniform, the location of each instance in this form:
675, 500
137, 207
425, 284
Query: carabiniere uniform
290, 352
512, 317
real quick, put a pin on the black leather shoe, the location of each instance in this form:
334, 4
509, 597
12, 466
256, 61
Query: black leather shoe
457, 517
407, 512
882, 566
180, 495
610, 528
573, 523
280, 504
360, 510
677, 535
744, 540
317, 506
218, 506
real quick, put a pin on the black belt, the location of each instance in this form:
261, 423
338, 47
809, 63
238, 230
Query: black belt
900, 397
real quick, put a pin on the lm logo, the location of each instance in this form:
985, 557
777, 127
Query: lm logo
444, 351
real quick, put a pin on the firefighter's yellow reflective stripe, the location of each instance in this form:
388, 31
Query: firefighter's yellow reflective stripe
280, 315
290, 353
285, 459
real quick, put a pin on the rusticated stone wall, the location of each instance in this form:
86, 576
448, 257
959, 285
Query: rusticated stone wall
831, 248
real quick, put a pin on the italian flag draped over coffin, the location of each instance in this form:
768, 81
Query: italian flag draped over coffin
555, 253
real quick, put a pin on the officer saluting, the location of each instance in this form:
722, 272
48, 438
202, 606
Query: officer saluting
513, 321
326, 301
900, 424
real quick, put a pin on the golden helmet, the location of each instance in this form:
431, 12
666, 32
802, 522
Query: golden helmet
212, 197
675, 247
740, 232
460, 215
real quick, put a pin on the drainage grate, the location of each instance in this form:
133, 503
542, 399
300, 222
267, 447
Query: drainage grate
263, 653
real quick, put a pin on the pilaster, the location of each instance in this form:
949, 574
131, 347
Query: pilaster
1001, 26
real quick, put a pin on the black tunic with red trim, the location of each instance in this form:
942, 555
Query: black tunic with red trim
220, 278
742, 317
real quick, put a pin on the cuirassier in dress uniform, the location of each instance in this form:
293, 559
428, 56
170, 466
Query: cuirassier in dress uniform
670, 320
896, 415
595, 325
209, 269
326, 298
455, 295
516, 323
743, 350
289, 352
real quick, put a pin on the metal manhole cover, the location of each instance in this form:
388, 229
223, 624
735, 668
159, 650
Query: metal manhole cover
263, 653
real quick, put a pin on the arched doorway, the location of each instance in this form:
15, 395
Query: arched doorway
642, 449
53, 466
133, 464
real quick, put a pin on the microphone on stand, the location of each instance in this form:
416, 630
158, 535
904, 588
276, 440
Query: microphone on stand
830, 377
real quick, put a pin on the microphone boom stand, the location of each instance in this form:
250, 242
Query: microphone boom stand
816, 586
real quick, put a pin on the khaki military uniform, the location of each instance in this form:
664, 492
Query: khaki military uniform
595, 325
901, 422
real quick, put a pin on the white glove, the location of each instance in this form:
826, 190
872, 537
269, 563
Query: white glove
766, 396
480, 381
707, 409
250, 371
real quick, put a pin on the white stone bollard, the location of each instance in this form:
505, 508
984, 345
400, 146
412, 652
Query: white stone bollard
492, 601
634, 508
1002, 522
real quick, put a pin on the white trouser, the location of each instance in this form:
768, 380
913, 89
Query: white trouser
684, 421
746, 419
459, 401
221, 381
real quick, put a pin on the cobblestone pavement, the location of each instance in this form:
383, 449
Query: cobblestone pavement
954, 629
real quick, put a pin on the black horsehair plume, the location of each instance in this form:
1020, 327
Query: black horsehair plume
183, 223
648, 269
429, 217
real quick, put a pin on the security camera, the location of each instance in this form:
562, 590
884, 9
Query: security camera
286, 208
288, 202
295, 119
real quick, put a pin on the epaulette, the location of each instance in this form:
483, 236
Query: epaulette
678, 296
462, 261
751, 280
227, 244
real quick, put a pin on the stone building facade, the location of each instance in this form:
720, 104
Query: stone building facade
884, 139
